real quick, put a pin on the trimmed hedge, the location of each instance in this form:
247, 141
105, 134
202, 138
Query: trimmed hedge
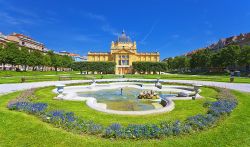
143, 67
100, 67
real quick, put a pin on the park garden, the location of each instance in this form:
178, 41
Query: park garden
42, 115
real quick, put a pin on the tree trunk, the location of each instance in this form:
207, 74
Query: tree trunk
4, 67
25, 67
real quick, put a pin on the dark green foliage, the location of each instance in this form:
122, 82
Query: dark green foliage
12, 54
180, 63
205, 59
244, 57
201, 59
100, 67
230, 55
143, 67
9, 54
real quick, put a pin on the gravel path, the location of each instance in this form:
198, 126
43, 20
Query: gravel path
7, 88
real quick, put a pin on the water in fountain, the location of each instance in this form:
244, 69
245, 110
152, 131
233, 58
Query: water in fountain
121, 91
127, 101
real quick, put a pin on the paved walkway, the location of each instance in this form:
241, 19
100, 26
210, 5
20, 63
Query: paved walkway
7, 88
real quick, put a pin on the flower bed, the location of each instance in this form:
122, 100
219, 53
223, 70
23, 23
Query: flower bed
67, 120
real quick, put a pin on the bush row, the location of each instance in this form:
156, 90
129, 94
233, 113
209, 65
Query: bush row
67, 120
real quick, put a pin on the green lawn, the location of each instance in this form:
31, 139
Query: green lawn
21, 129
216, 78
182, 110
34, 76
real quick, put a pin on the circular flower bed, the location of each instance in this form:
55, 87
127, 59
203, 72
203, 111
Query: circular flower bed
67, 120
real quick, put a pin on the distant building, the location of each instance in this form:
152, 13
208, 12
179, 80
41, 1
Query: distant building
75, 57
124, 53
3, 38
26, 41
84, 58
241, 40
64, 53
80, 58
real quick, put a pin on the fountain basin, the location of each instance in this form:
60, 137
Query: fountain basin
108, 98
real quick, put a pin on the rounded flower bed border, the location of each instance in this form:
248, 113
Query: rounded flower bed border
67, 120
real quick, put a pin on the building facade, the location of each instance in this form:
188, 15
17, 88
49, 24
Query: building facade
123, 52
26, 41
3, 38
75, 57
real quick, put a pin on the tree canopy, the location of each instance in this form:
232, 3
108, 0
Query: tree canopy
229, 57
12, 54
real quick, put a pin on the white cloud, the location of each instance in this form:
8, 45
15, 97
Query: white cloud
208, 24
95, 16
85, 38
7, 18
105, 26
148, 34
109, 29
175, 36
13, 15
164, 46
208, 32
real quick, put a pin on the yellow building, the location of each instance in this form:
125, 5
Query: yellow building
124, 53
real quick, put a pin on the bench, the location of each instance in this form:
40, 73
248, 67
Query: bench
33, 78
63, 78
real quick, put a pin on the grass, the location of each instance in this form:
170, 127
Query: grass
215, 78
182, 110
20, 129
35, 76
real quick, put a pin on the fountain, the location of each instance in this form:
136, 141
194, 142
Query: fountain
158, 84
148, 95
197, 90
60, 89
121, 90
127, 98
93, 83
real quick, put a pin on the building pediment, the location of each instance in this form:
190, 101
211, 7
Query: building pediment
123, 51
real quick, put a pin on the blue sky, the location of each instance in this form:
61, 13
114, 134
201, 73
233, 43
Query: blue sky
170, 27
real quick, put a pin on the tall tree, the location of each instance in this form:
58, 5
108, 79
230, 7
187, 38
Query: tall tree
230, 56
11, 53
46, 61
24, 57
201, 60
244, 57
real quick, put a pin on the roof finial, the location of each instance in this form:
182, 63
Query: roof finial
123, 32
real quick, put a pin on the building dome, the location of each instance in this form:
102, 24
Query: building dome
124, 38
